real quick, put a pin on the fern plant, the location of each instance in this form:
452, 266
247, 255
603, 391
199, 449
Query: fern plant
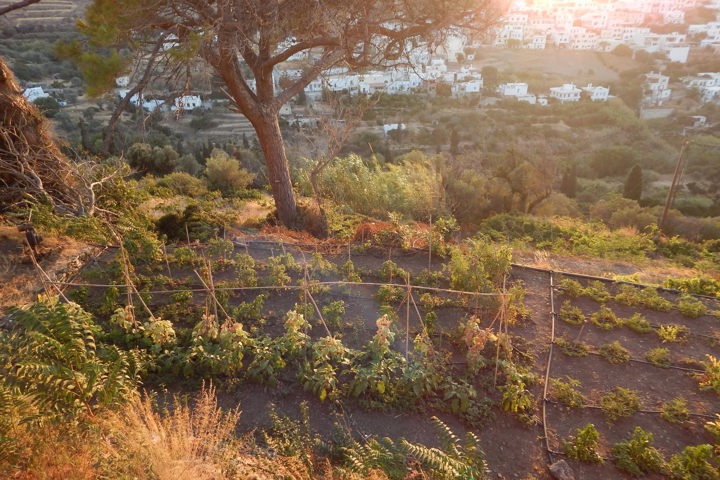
52, 356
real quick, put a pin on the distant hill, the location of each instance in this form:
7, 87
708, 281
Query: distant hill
45, 12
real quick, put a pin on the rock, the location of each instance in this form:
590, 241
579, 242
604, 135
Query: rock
560, 470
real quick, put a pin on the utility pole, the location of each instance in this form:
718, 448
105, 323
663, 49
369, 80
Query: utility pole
679, 167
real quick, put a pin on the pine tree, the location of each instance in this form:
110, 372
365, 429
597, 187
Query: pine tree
634, 184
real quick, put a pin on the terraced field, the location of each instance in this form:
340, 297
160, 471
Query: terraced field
45, 12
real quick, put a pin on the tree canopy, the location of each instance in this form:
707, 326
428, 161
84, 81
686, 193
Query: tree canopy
244, 41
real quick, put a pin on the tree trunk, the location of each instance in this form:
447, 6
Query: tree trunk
270, 138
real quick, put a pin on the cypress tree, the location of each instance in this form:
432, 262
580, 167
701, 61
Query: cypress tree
634, 184
568, 185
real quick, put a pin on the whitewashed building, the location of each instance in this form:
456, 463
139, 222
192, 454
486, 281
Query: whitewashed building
516, 89
34, 93
656, 89
568, 92
596, 93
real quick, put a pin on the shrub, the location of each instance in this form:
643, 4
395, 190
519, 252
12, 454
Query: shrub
710, 379
182, 183
695, 462
571, 314
675, 411
571, 287
572, 348
605, 318
660, 357
224, 173
691, 307
621, 402
647, 297
597, 291
583, 445
673, 333
615, 353
695, 285
638, 323
566, 391
636, 456
479, 268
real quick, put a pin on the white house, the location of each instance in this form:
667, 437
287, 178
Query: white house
568, 92
187, 103
33, 93
388, 127
656, 89
516, 89
122, 81
597, 93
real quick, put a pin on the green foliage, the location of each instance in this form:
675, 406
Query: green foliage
675, 411
516, 396
390, 295
224, 173
696, 285
694, 463
583, 446
647, 297
319, 373
290, 437
53, 358
710, 379
659, 357
333, 313
455, 460
183, 183
571, 287
691, 307
571, 314
634, 184
349, 273
613, 161
389, 271
572, 348
636, 455
673, 333
638, 323
152, 160
566, 392
713, 426
605, 318
245, 275
481, 267
615, 353
621, 402
597, 291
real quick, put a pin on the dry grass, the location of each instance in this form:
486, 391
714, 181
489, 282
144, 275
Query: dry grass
190, 442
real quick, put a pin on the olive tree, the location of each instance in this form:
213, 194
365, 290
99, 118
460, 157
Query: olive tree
244, 41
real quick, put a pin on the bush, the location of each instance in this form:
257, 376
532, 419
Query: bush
659, 357
605, 318
182, 183
566, 391
621, 402
583, 445
571, 288
572, 348
597, 291
636, 456
224, 174
638, 323
615, 353
695, 462
673, 333
691, 307
571, 314
675, 411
